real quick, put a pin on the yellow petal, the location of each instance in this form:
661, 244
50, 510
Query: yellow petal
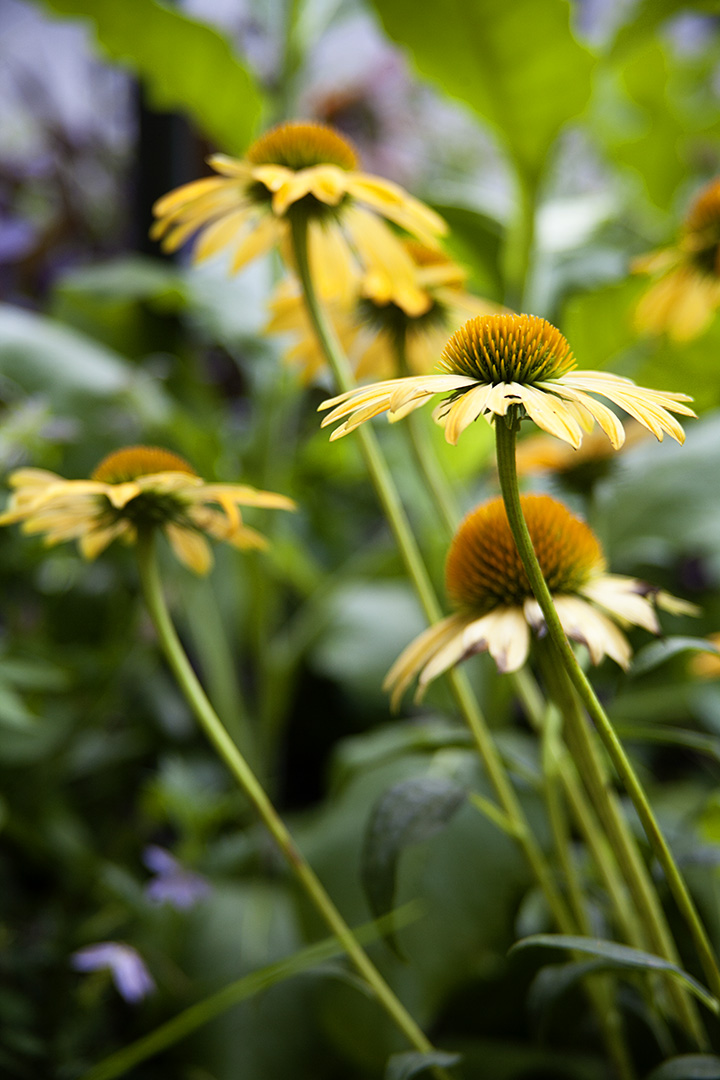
191, 549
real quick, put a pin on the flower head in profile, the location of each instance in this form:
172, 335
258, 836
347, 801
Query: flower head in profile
376, 333
307, 171
575, 469
137, 488
132, 979
683, 300
495, 610
495, 363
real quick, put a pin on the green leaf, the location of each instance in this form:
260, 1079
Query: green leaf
184, 64
658, 652
688, 1067
619, 957
202, 1012
516, 64
659, 733
41, 354
407, 813
412, 1063
649, 14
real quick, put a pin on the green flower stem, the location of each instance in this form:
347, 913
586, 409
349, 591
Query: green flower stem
395, 513
586, 753
520, 239
236, 763
633, 929
425, 459
601, 989
505, 438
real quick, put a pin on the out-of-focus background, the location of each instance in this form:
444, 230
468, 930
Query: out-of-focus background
117, 824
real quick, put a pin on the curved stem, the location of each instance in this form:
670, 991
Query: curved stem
505, 440
397, 519
425, 459
237, 765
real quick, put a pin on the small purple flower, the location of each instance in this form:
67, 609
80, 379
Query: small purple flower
131, 977
173, 884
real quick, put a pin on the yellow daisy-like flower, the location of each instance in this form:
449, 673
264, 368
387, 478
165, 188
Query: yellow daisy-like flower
305, 169
684, 299
497, 362
495, 607
371, 328
706, 665
580, 468
137, 488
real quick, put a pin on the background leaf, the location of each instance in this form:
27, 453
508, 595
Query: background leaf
404, 1066
517, 65
688, 1067
183, 63
409, 812
616, 957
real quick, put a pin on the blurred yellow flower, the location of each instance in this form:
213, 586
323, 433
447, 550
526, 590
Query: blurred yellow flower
706, 665
374, 331
495, 607
137, 488
497, 362
684, 299
306, 170
589, 461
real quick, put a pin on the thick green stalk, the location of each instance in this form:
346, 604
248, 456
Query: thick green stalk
237, 765
405, 539
505, 440
633, 929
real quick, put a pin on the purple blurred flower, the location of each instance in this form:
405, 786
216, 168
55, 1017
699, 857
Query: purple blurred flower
131, 977
173, 884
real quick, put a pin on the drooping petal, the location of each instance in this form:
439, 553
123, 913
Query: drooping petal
585, 624
191, 549
623, 597
417, 654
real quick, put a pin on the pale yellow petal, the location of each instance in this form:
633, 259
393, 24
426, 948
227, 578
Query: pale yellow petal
624, 598
191, 549
333, 267
258, 241
549, 413
464, 411
93, 543
416, 655
583, 623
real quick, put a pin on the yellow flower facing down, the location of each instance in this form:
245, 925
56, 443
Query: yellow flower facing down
684, 299
138, 488
495, 607
706, 665
497, 362
305, 169
577, 469
371, 327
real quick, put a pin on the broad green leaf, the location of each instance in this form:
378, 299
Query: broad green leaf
657, 652
476, 241
619, 957
688, 1067
184, 64
598, 324
41, 354
516, 64
412, 1063
409, 812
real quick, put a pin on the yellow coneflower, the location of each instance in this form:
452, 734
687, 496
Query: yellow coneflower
371, 328
706, 665
137, 488
576, 467
497, 362
684, 299
310, 170
495, 607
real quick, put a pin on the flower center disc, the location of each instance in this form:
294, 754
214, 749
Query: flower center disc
133, 461
702, 228
298, 145
508, 348
484, 570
